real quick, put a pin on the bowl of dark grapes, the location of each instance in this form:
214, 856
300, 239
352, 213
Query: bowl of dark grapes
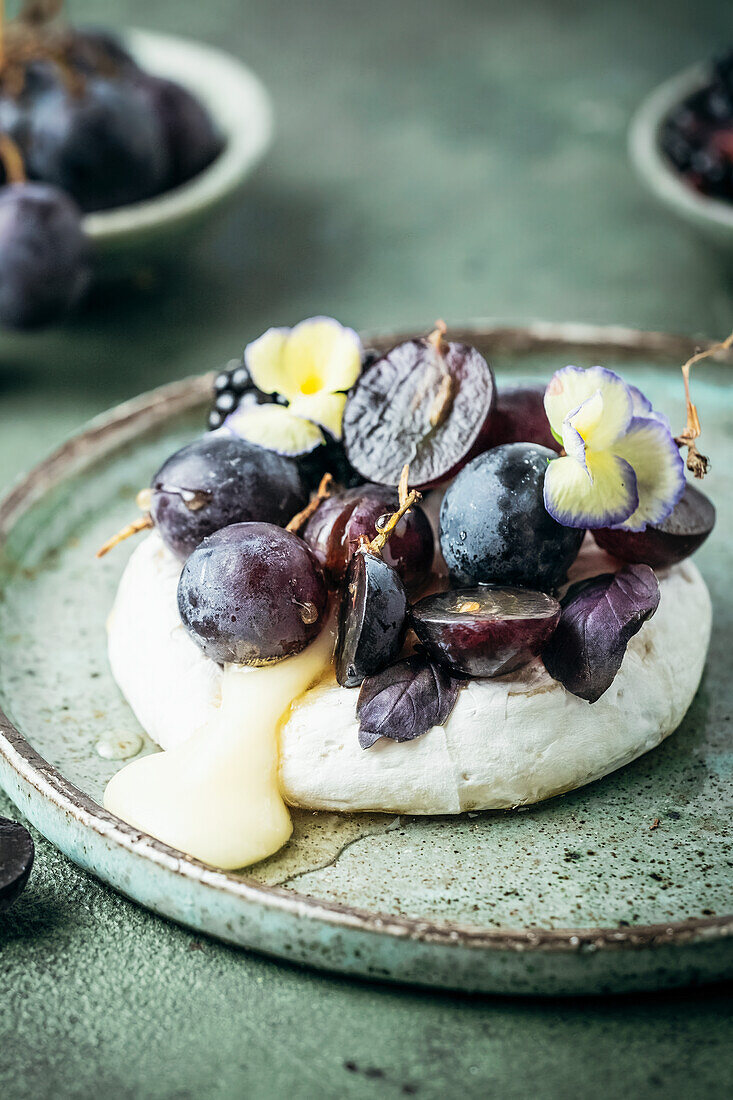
116, 151
681, 143
377, 580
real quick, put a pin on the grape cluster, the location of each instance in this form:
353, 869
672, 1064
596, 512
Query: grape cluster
82, 128
697, 137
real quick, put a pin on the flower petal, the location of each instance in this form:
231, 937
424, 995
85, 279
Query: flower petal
275, 428
318, 355
579, 424
265, 361
642, 406
600, 495
326, 409
571, 387
660, 471
321, 356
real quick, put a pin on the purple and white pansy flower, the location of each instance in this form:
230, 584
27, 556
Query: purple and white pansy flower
621, 467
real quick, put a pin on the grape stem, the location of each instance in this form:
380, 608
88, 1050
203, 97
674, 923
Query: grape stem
133, 528
443, 399
378, 543
697, 463
11, 159
324, 490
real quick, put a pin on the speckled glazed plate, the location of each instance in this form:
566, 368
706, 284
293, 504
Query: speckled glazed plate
625, 884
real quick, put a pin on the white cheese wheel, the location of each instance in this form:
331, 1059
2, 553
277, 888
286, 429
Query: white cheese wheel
508, 742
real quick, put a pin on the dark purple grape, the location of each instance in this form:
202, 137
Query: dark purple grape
494, 527
519, 417
16, 860
192, 139
252, 594
675, 538
96, 51
333, 533
372, 619
218, 480
427, 403
599, 618
106, 147
485, 631
44, 255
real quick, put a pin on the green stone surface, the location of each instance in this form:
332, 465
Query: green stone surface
446, 159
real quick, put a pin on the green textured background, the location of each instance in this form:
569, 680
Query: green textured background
446, 158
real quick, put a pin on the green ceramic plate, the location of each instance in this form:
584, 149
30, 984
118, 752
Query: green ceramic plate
581, 894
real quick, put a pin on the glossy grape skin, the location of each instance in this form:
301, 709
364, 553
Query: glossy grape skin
333, 533
192, 140
494, 527
372, 619
519, 417
485, 631
44, 255
252, 594
106, 147
218, 480
671, 541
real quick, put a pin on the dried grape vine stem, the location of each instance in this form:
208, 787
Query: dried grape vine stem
697, 463
407, 499
324, 490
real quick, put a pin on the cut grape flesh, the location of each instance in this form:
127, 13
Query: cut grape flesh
427, 403
485, 631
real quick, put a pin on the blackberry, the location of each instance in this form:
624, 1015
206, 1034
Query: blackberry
233, 387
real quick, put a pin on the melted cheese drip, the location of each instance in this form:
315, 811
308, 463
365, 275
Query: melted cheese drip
217, 797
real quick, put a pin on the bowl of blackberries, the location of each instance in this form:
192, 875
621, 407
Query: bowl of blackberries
116, 151
681, 143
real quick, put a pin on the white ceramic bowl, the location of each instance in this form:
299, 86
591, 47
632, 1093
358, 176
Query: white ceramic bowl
713, 218
145, 233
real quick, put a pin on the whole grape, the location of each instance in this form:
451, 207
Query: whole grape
334, 531
218, 480
106, 146
192, 139
252, 594
44, 256
494, 527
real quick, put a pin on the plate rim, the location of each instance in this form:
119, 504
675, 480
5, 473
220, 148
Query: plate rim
122, 423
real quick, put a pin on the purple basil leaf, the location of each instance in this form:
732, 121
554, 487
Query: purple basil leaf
404, 701
599, 618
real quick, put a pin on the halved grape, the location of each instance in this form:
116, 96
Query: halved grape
334, 531
494, 527
673, 540
519, 417
218, 480
427, 403
372, 619
485, 631
251, 594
